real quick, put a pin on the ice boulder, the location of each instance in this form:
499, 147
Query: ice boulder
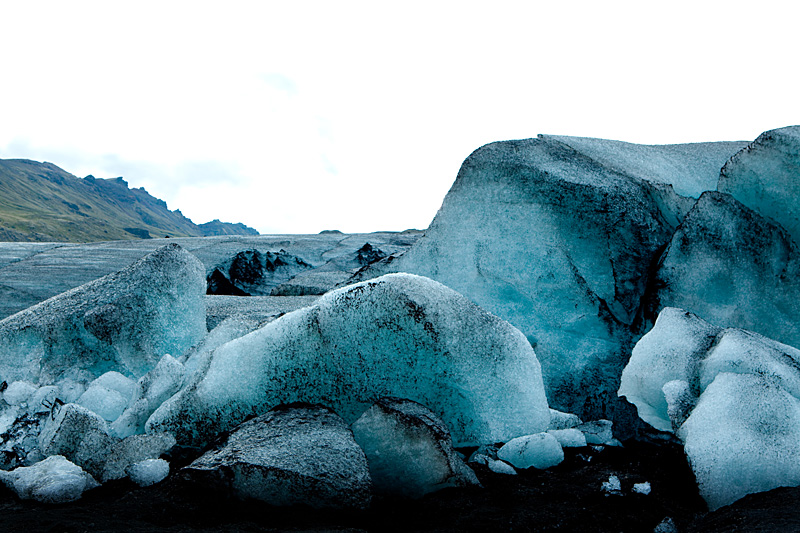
541, 451
557, 235
148, 472
733, 267
409, 449
399, 335
54, 480
732, 396
79, 435
298, 454
765, 176
124, 322
108, 395
18, 392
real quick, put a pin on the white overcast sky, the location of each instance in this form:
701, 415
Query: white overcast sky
301, 116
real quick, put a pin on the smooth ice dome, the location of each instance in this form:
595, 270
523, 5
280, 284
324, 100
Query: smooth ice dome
148, 472
409, 450
539, 451
124, 322
399, 335
732, 396
54, 480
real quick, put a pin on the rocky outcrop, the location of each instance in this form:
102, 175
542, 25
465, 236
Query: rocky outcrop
299, 454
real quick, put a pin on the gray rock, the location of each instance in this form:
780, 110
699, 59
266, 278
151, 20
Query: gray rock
734, 268
122, 454
79, 435
409, 449
125, 321
298, 454
764, 177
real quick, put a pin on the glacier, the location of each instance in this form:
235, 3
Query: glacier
557, 235
398, 335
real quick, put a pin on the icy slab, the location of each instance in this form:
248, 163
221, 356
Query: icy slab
556, 235
399, 335
409, 449
541, 451
125, 322
148, 472
54, 480
107, 403
299, 454
495, 465
733, 267
764, 177
569, 438
733, 397
561, 420
79, 435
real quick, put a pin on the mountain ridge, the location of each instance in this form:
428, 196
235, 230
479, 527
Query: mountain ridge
41, 202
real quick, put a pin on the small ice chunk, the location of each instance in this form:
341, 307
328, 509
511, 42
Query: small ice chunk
113, 380
597, 432
19, 392
42, 400
54, 480
613, 485
148, 472
666, 526
107, 403
561, 420
541, 451
70, 390
501, 467
642, 488
569, 438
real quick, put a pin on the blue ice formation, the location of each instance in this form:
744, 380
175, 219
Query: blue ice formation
732, 396
399, 335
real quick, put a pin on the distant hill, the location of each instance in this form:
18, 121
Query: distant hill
41, 202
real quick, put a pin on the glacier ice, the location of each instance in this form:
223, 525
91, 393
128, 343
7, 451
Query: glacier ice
108, 395
294, 454
152, 389
561, 420
409, 450
557, 236
732, 396
124, 321
764, 177
79, 435
642, 488
148, 472
19, 392
122, 454
399, 335
612, 486
53, 480
733, 267
541, 451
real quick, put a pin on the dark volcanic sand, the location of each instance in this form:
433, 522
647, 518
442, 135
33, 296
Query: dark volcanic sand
565, 498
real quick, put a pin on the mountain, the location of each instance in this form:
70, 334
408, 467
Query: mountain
41, 202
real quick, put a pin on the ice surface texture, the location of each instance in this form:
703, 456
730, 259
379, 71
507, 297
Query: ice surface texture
124, 321
734, 268
409, 450
298, 454
764, 177
732, 396
399, 335
556, 235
